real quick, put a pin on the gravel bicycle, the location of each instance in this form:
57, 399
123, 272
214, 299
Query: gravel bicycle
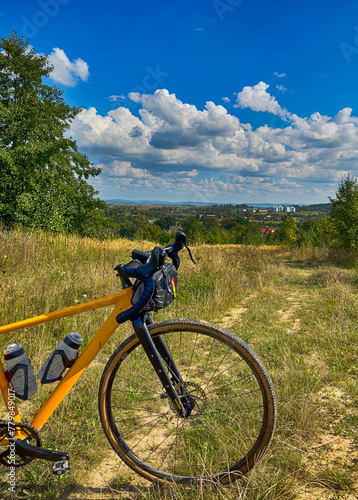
181, 400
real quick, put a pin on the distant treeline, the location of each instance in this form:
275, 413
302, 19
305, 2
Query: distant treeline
219, 224
320, 208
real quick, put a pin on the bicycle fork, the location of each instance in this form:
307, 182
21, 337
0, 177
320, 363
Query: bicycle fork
156, 350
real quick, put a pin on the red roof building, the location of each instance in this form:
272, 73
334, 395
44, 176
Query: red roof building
267, 230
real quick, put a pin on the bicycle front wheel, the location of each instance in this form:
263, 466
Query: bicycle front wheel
234, 406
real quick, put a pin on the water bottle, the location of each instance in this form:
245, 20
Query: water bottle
21, 376
60, 359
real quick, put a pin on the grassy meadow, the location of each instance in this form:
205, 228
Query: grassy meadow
296, 308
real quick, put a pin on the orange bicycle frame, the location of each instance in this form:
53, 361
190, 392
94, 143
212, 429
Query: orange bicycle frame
121, 300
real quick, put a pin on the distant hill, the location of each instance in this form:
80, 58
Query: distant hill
144, 202
320, 207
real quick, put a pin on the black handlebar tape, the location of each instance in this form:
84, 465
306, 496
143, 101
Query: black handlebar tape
145, 274
133, 313
180, 241
142, 256
173, 250
175, 258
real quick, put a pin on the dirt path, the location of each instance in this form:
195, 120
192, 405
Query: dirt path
233, 315
101, 483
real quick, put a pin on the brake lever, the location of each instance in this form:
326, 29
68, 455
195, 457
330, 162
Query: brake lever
186, 246
180, 242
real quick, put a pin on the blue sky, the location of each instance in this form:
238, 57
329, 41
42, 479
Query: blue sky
225, 101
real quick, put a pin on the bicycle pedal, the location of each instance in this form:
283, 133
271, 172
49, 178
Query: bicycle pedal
61, 467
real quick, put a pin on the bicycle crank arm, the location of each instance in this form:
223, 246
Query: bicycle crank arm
27, 450
146, 340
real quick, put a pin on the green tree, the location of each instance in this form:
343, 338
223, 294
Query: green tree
43, 181
165, 221
135, 227
252, 233
315, 232
287, 233
344, 213
228, 223
192, 228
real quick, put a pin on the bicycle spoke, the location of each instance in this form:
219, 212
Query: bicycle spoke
131, 378
219, 364
167, 437
231, 383
224, 371
171, 446
192, 354
207, 360
141, 426
137, 409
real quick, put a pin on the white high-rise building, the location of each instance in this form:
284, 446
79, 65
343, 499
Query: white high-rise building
282, 208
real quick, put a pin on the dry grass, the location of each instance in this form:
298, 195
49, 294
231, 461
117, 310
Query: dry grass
297, 308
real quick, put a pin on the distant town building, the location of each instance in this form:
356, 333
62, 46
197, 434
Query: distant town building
283, 208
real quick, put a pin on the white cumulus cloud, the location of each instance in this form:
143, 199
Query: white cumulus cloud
173, 146
258, 99
66, 72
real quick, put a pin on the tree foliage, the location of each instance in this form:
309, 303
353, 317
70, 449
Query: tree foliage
315, 233
344, 213
287, 233
43, 181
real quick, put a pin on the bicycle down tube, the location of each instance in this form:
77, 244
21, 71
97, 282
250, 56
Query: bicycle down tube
121, 300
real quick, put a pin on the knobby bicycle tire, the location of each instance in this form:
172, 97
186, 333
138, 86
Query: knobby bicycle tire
234, 412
